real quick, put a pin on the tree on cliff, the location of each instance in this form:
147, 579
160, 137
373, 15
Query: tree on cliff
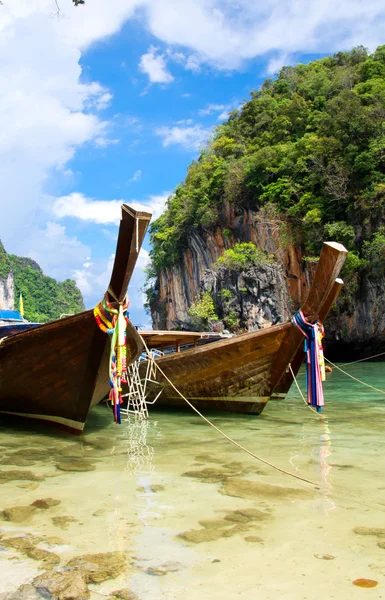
309, 148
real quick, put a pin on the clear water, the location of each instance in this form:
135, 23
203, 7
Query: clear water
138, 498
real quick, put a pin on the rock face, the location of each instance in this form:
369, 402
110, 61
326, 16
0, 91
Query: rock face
7, 296
266, 294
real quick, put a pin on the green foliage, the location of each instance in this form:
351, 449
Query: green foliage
5, 265
44, 298
310, 145
231, 320
374, 251
202, 311
243, 255
226, 294
340, 232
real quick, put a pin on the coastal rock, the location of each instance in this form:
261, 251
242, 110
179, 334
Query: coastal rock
75, 465
62, 586
45, 503
244, 488
99, 567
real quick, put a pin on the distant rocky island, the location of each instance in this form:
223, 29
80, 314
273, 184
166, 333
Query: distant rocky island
44, 298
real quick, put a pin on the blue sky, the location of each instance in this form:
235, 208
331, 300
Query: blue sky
110, 102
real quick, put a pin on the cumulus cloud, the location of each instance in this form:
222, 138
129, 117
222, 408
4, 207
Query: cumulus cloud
154, 65
106, 212
191, 137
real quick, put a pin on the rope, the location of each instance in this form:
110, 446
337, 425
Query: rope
362, 359
301, 394
316, 485
355, 378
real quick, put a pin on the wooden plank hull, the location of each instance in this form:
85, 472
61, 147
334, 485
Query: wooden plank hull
239, 374
57, 371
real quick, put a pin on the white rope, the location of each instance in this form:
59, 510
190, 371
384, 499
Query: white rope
355, 378
301, 394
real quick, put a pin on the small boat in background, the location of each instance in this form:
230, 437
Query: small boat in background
58, 371
240, 374
12, 322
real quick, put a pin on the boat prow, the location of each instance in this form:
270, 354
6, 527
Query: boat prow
57, 371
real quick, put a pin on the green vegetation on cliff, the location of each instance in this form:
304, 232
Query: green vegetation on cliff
44, 298
309, 147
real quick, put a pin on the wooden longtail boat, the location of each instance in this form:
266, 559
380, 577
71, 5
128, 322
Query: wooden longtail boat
58, 371
239, 374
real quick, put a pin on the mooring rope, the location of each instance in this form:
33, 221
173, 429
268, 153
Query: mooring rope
317, 414
355, 378
252, 454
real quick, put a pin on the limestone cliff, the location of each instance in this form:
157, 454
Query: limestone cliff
7, 294
263, 295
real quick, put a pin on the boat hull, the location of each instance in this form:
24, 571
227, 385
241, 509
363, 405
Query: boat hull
57, 372
240, 374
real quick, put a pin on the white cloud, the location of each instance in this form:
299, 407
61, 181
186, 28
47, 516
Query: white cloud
154, 65
136, 176
191, 137
106, 212
210, 108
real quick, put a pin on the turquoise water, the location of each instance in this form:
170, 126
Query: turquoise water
192, 516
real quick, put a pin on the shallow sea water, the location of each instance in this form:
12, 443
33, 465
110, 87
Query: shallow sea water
154, 480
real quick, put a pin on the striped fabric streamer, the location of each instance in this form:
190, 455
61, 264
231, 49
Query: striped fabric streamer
311, 333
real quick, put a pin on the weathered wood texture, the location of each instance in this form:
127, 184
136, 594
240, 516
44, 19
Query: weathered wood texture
240, 374
58, 370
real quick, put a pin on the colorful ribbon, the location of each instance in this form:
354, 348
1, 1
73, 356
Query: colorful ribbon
313, 333
113, 321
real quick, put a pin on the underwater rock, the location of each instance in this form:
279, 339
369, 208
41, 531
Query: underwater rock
214, 523
19, 514
205, 457
244, 488
99, 513
381, 545
63, 521
365, 583
26, 547
211, 475
75, 465
324, 556
124, 594
155, 571
6, 476
28, 486
62, 586
379, 531
155, 487
197, 536
254, 539
247, 514
45, 503
99, 567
